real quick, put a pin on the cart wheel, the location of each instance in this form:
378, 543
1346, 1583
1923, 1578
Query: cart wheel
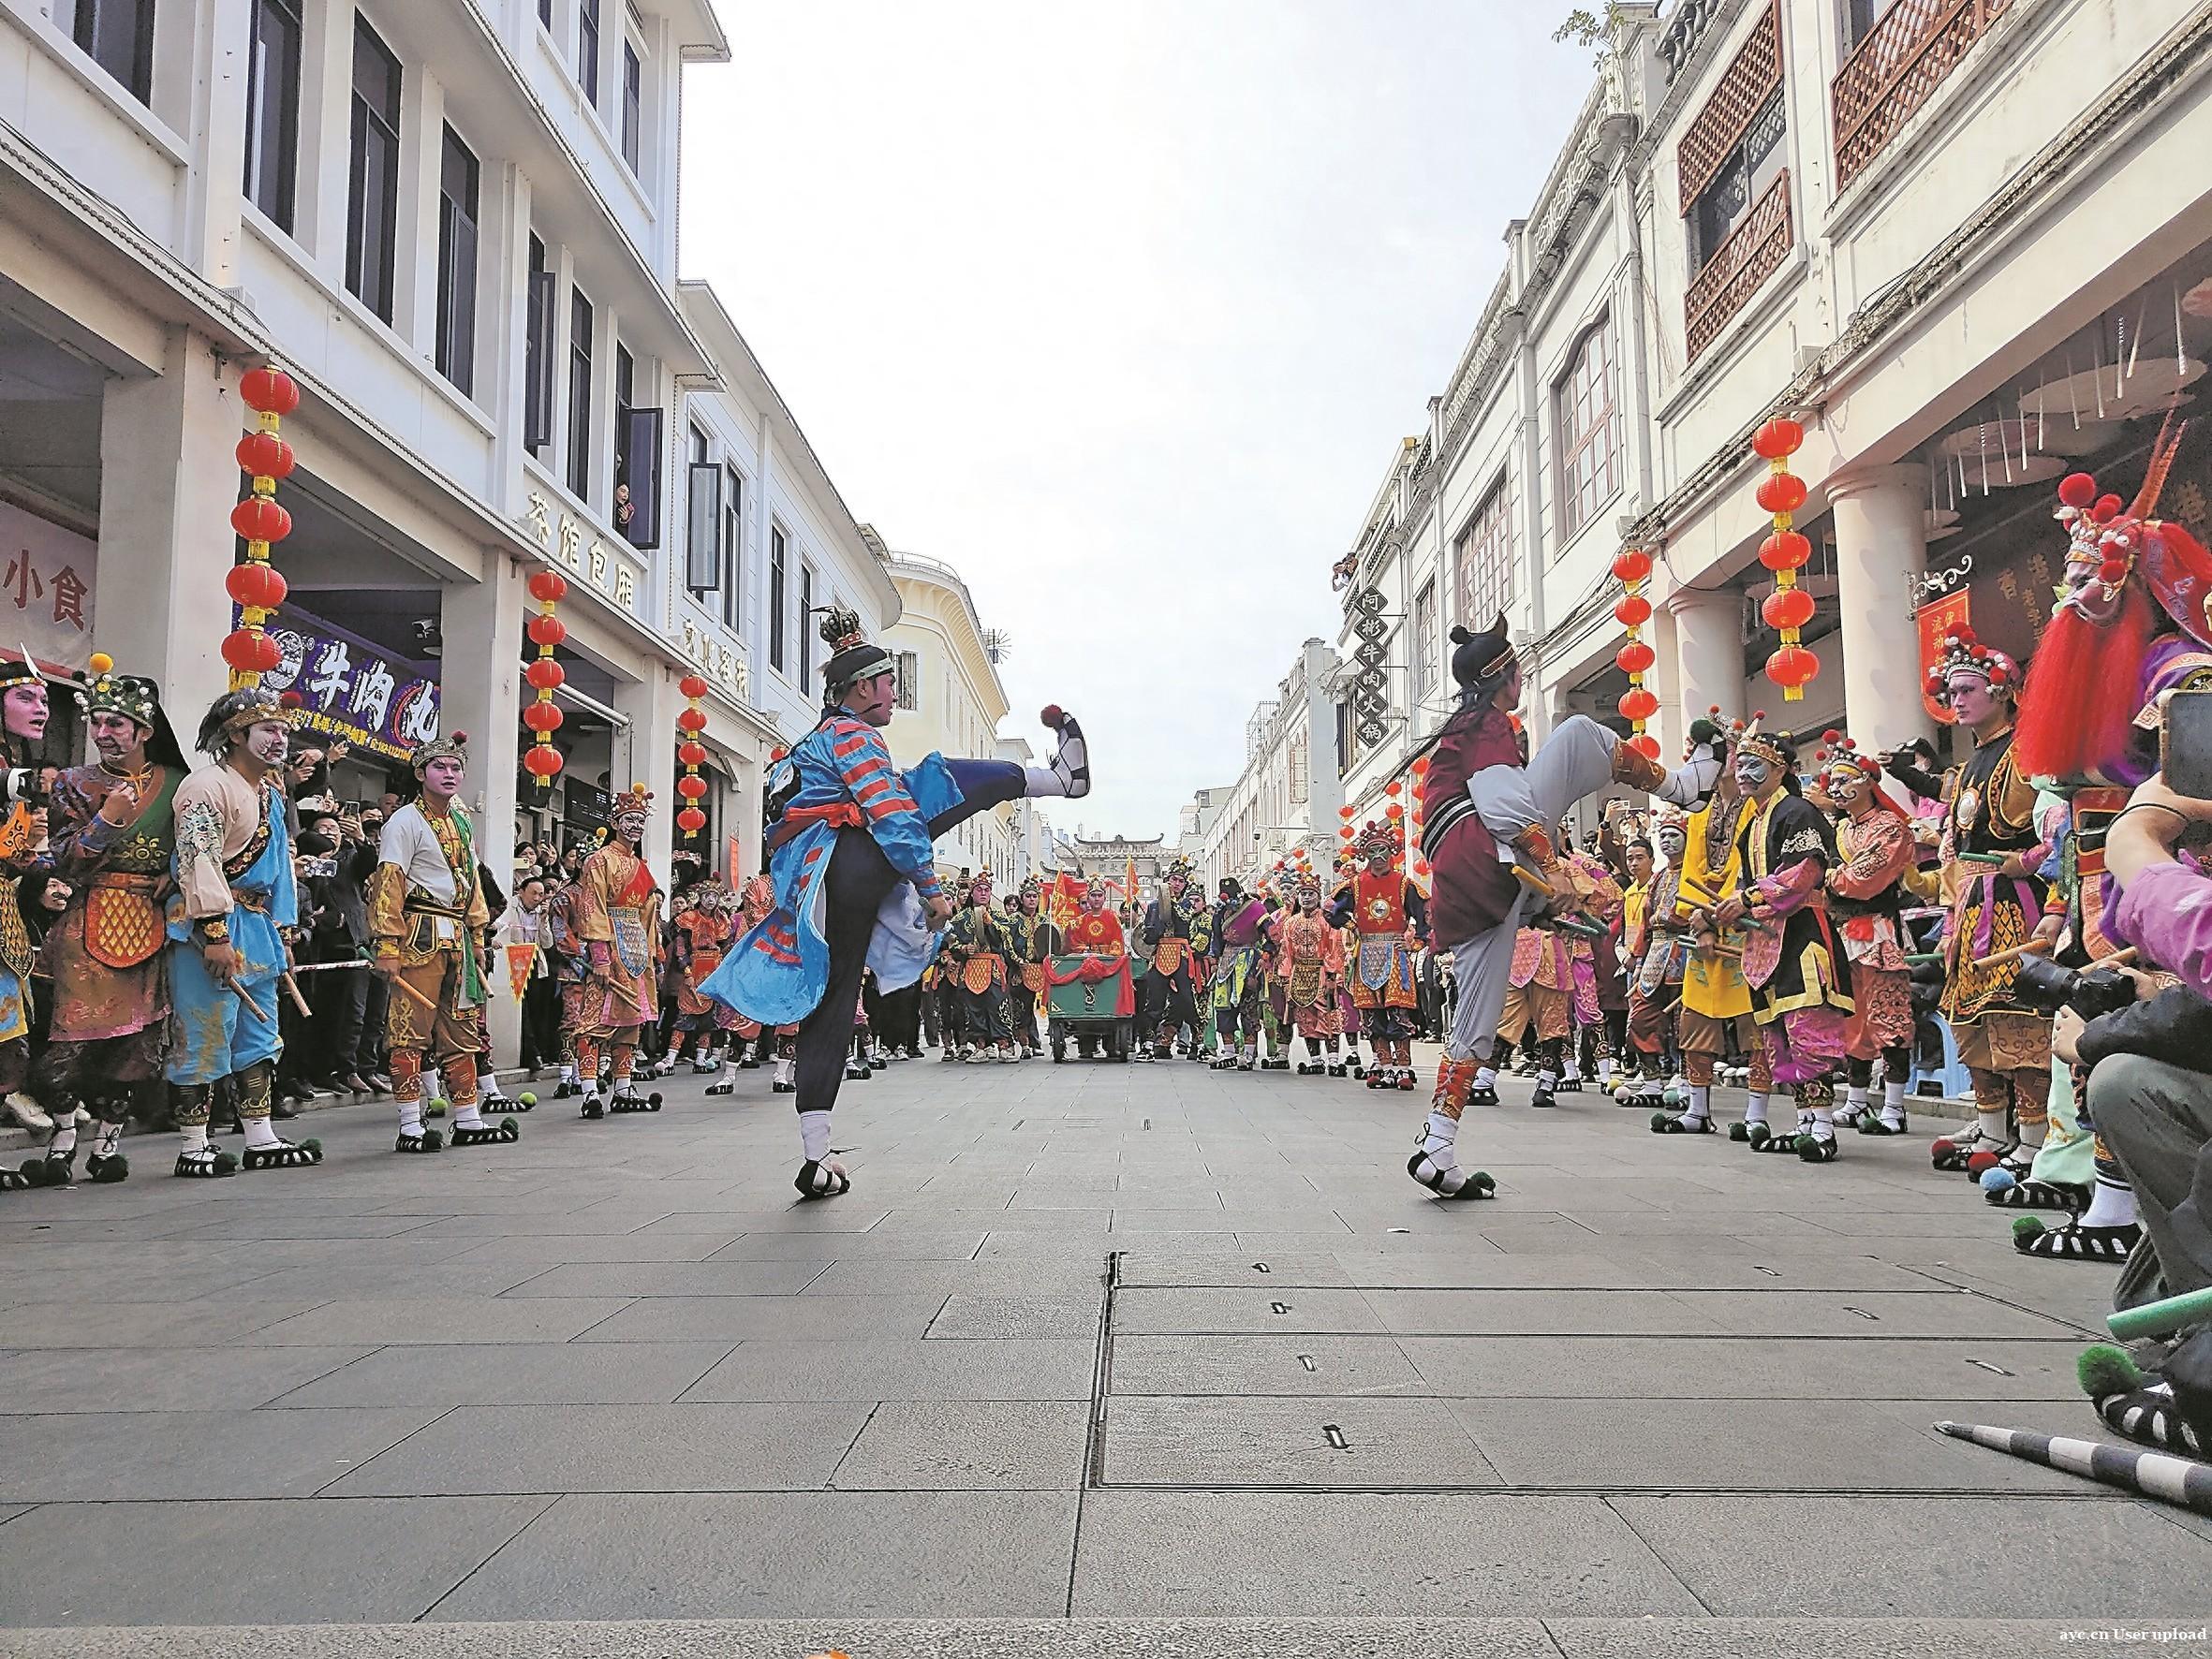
1059, 1052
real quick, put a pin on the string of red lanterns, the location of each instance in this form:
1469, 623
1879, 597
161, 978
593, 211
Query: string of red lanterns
692, 753
541, 760
1631, 568
1785, 552
1419, 771
255, 586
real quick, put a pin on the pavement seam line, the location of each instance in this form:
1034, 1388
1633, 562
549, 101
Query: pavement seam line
1665, 1565
1094, 1450
830, 1480
381, 1451
276, 1404
480, 1566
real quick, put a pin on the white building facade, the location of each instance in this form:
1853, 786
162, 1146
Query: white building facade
454, 225
1284, 800
1963, 244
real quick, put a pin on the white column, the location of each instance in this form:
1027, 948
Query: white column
645, 753
1708, 652
1671, 725
168, 483
479, 692
1880, 552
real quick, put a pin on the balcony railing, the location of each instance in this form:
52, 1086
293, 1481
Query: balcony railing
1753, 252
1905, 57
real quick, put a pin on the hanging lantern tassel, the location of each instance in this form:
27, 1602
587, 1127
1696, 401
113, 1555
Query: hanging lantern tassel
1632, 567
254, 586
1785, 552
545, 676
692, 753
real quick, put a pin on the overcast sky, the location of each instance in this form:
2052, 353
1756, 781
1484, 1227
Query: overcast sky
1123, 309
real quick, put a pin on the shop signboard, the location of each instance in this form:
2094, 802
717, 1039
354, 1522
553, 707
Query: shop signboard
609, 567
46, 589
380, 702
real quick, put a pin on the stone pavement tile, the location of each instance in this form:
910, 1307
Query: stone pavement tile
799, 1218
1142, 1268
671, 1278
1462, 1269
48, 1380
963, 1316
968, 1445
589, 1448
113, 1457
381, 1320
1811, 1638
481, 1272
2090, 1559
775, 1555
1645, 1368
1541, 1312
868, 1367
1226, 1442
1736, 1445
514, 1374
1893, 1313
254, 1224
1262, 1309
469, 1227
892, 1243
146, 1325
273, 1563
1222, 1554
1000, 1276
771, 1318
1967, 1217
1264, 1365
2075, 1292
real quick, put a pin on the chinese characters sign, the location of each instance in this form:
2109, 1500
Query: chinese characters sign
45, 584
607, 566
351, 689
715, 660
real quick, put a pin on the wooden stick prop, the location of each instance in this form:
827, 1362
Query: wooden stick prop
291, 989
2033, 947
246, 997
420, 1001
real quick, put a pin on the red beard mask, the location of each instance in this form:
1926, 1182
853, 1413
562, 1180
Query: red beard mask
2078, 708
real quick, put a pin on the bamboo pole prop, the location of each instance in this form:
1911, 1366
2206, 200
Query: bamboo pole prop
291, 989
2154, 1475
1997, 959
246, 997
420, 1000
2160, 1318
332, 967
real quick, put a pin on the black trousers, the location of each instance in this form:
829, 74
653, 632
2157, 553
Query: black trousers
541, 1022
341, 1004
900, 1022
858, 881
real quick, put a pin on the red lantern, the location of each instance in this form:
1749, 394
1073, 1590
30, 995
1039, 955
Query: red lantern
269, 391
1631, 565
1345, 833
1787, 607
1785, 550
542, 760
256, 586
1344, 813
1637, 703
1420, 866
1781, 493
691, 786
1793, 668
1779, 438
545, 674
690, 754
691, 820
548, 586
1645, 744
776, 753
1632, 611
542, 716
1635, 657
264, 455
547, 630
251, 651
691, 720
692, 686
1394, 812
258, 518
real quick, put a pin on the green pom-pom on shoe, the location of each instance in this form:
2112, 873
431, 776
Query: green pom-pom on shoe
2105, 1370
1658, 1123
527, 1098
433, 1108
2025, 1227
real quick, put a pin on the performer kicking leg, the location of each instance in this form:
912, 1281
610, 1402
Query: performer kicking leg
849, 829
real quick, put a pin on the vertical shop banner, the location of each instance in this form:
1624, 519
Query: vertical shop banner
377, 701
1935, 621
46, 575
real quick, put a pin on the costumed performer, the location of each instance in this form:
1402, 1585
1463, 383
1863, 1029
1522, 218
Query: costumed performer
1388, 914
1876, 852
617, 920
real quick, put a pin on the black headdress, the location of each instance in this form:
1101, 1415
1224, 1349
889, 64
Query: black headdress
853, 656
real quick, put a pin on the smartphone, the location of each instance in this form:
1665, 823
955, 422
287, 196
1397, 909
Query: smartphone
2185, 745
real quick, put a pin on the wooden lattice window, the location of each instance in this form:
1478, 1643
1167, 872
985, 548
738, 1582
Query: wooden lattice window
1895, 67
1754, 251
1588, 427
1482, 560
1751, 81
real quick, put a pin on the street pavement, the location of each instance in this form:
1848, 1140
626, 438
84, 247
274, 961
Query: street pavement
1092, 1360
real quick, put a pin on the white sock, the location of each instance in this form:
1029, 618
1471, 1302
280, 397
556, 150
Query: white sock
195, 1137
261, 1132
1993, 1123
410, 1117
1755, 1108
1823, 1123
64, 1133
2111, 1205
468, 1117
568, 1073
1854, 1096
1547, 1079
1442, 1131
2032, 1134
434, 1086
1701, 1101
1486, 1075
1607, 1067
1041, 781
1892, 1096
814, 1135
108, 1142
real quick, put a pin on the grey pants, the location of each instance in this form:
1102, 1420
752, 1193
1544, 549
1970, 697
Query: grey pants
2156, 1120
1575, 760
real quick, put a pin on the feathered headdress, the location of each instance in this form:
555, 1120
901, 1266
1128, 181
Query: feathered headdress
852, 656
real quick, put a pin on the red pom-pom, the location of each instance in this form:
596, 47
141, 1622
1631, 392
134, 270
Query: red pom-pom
542, 760
264, 455
776, 753
692, 685
254, 583
545, 674
2107, 508
1052, 716
270, 391
1831, 736
548, 585
2112, 573
2077, 489
291, 700
542, 716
